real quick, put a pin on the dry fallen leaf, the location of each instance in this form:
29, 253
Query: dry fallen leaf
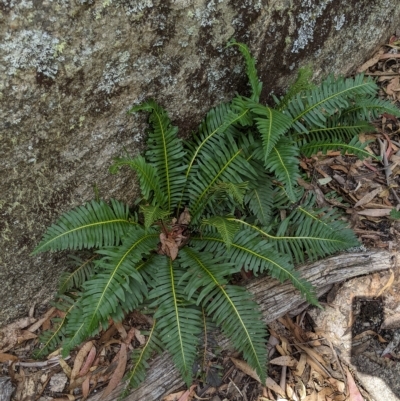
25, 335
375, 212
140, 337
369, 333
284, 361
37, 325
387, 285
368, 197
372, 61
80, 357
65, 367
185, 217
174, 396
245, 368
168, 246
7, 357
354, 393
89, 361
188, 394
118, 372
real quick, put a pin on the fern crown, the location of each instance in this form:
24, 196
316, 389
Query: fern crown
208, 209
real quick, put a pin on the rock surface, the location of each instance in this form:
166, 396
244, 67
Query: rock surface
70, 69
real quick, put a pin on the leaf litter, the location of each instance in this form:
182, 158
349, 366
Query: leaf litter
304, 365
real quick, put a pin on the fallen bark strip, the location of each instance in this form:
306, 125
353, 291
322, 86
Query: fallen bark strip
275, 300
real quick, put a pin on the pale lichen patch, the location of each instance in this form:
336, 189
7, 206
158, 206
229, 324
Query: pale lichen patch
31, 49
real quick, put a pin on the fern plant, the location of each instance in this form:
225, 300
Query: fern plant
210, 207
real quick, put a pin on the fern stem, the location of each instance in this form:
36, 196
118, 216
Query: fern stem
265, 234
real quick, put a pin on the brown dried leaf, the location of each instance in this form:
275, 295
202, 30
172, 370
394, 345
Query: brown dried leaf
140, 337
354, 393
121, 330
372, 61
25, 335
368, 197
65, 367
37, 325
118, 372
301, 365
185, 217
375, 212
188, 394
168, 246
85, 388
7, 357
369, 333
284, 361
89, 361
9, 334
174, 396
393, 86
80, 357
245, 368
387, 285
272, 385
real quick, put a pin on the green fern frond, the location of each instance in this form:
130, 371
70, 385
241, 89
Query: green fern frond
51, 339
230, 306
259, 200
139, 358
223, 163
236, 191
149, 179
302, 83
152, 214
226, 228
313, 232
369, 108
283, 162
94, 224
76, 278
178, 321
272, 125
255, 83
338, 128
353, 147
311, 108
165, 152
102, 294
252, 252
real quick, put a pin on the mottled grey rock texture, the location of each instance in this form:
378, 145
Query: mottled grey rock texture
70, 69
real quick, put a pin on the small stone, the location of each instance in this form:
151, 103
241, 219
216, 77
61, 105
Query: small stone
58, 382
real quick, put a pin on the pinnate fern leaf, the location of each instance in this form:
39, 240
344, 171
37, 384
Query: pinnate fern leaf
102, 294
313, 107
271, 124
152, 214
231, 306
178, 321
139, 358
353, 147
283, 162
149, 179
255, 83
226, 228
51, 339
84, 269
165, 152
94, 224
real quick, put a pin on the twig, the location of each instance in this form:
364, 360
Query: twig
50, 362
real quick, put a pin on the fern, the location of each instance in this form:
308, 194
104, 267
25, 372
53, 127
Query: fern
208, 208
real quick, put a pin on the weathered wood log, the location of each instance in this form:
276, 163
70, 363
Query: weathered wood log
275, 300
